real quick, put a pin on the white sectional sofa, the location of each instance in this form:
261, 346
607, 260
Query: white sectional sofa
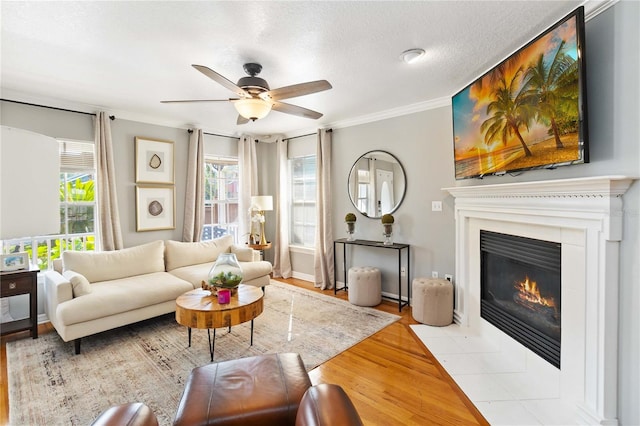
91, 292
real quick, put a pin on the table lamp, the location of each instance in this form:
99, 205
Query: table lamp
262, 203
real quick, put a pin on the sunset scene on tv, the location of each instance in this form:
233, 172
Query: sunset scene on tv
524, 113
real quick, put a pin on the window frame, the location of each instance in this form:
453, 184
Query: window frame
214, 229
303, 243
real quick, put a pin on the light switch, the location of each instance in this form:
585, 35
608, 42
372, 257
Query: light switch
436, 206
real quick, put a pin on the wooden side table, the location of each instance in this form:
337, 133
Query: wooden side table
14, 283
199, 309
261, 248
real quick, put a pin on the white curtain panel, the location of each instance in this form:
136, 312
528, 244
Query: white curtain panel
110, 233
248, 165
194, 197
323, 258
281, 257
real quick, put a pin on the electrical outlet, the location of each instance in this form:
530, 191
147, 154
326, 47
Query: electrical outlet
448, 277
403, 272
434, 274
436, 206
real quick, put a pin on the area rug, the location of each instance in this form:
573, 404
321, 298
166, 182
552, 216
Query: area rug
150, 361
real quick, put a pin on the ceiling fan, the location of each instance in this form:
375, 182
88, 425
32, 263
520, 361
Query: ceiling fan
255, 99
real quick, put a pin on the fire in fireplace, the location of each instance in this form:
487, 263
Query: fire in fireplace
520, 290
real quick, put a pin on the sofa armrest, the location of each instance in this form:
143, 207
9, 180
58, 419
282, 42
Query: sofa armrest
57, 289
245, 254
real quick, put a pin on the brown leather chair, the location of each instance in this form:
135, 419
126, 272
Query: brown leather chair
265, 390
132, 414
327, 405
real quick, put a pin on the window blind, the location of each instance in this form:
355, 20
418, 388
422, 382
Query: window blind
76, 156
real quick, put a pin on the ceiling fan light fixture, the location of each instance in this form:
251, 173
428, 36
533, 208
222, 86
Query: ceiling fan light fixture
412, 56
252, 108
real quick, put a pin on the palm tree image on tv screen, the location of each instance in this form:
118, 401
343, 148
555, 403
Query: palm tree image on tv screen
527, 112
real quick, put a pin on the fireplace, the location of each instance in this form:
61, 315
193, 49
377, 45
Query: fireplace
584, 217
520, 290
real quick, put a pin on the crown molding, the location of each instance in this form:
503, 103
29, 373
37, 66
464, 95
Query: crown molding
593, 8
391, 113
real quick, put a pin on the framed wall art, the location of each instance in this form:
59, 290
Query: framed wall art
155, 208
14, 261
154, 161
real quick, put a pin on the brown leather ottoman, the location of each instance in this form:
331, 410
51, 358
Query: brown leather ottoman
260, 390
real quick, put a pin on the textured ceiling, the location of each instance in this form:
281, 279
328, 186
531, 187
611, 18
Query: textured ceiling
124, 57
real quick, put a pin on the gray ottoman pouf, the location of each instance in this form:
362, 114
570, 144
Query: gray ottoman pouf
432, 302
365, 286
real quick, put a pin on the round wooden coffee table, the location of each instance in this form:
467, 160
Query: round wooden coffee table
199, 309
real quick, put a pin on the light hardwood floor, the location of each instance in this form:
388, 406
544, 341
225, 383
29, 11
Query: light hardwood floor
391, 377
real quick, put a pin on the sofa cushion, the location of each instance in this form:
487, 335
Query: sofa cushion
122, 295
79, 283
195, 274
179, 254
113, 265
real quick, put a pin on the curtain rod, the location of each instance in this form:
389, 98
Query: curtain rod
112, 117
215, 134
302, 136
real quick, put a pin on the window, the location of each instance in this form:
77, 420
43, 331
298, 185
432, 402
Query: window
221, 198
77, 208
302, 171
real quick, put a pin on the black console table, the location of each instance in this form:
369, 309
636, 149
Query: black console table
395, 246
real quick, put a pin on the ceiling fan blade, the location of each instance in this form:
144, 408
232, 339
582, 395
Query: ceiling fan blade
242, 120
296, 90
198, 100
222, 80
295, 110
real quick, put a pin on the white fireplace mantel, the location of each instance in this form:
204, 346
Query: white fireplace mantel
585, 216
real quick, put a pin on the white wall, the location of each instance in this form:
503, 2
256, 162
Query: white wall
422, 144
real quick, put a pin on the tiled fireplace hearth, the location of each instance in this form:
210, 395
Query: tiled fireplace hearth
584, 216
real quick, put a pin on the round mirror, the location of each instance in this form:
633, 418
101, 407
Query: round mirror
377, 184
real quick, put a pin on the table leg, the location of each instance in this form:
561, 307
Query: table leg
409, 276
251, 333
212, 342
344, 266
335, 270
189, 331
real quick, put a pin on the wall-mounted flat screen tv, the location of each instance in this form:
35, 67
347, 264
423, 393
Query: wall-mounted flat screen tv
529, 111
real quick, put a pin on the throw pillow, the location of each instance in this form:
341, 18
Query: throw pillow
179, 254
79, 283
116, 264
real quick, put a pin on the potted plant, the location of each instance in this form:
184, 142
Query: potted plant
350, 220
387, 225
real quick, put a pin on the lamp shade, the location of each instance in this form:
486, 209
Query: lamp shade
262, 202
252, 108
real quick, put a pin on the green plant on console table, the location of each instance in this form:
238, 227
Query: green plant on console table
387, 219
